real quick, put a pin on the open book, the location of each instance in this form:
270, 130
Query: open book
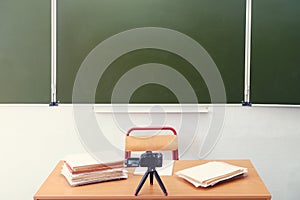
210, 173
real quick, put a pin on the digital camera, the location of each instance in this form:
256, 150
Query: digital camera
151, 160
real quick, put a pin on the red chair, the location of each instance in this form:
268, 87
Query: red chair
151, 143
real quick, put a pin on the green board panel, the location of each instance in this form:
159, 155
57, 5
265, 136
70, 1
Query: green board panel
25, 51
275, 68
217, 25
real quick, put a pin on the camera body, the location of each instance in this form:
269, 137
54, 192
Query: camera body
151, 160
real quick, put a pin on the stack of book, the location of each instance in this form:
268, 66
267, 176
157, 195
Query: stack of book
81, 169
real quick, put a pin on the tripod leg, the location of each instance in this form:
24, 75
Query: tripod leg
151, 178
160, 183
141, 183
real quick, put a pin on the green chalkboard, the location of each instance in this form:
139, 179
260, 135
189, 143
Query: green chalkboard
25, 51
219, 26
275, 68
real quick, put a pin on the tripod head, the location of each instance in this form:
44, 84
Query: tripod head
151, 160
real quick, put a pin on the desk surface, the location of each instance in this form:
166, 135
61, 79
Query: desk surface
246, 188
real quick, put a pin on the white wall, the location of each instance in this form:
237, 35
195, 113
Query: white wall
35, 137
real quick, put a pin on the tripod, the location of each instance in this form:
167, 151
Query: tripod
150, 172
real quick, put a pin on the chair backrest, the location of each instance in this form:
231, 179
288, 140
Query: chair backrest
152, 143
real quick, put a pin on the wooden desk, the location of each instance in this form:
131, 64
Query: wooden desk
247, 188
